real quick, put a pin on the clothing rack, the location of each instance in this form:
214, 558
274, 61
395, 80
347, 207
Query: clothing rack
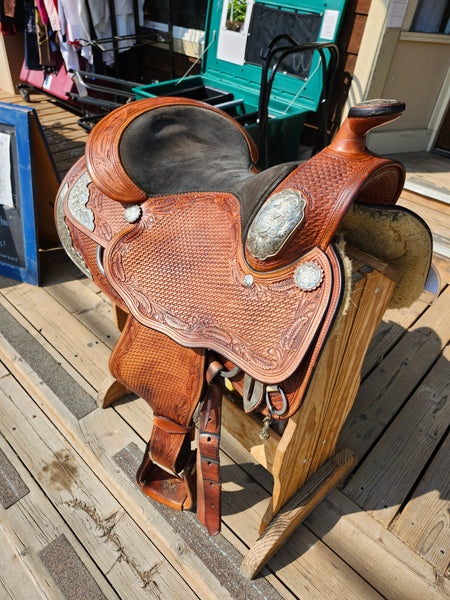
94, 89
142, 37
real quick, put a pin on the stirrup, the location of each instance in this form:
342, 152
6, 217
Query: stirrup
176, 490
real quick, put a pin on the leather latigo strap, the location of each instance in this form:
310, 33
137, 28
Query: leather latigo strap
171, 380
208, 465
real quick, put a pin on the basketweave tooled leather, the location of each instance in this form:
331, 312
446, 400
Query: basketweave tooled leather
171, 380
183, 266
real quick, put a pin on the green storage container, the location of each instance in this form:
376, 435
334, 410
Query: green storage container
237, 33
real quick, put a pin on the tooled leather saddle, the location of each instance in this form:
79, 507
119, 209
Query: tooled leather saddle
225, 271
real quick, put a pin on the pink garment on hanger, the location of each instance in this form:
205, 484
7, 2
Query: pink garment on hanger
51, 7
42, 12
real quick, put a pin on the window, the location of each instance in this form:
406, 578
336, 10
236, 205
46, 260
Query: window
432, 16
186, 14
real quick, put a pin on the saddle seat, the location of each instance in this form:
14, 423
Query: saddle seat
225, 271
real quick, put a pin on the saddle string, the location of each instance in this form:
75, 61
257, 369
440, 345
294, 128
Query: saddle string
264, 434
198, 59
286, 110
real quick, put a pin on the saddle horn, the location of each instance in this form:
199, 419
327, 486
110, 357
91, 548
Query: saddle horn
351, 137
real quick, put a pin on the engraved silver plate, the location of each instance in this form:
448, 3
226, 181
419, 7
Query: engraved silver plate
77, 200
64, 233
133, 213
308, 276
278, 218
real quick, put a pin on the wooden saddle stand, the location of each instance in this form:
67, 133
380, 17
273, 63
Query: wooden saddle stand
236, 283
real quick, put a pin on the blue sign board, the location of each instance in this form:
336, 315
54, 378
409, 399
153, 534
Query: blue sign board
19, 257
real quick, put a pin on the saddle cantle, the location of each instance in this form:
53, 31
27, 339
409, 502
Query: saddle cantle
226, 272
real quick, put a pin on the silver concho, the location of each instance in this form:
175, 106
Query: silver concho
64, 233
308, 276
77, 200
248, 280
279, 216
133, 213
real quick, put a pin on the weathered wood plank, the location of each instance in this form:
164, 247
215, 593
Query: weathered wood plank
437, 221
382, 394
396, 571
30, 526
393, 326
426, 167
15, 581
41, 344
131, 562
424, 522
386, 477
67, 335
91, 309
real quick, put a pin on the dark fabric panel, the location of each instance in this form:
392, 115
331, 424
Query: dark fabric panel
267, 22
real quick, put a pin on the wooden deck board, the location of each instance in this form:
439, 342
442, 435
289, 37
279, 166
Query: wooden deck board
383, 393
382, 484
350, 547
32, 524
424, 522
243, 499
118, 546
426, 169
15, 580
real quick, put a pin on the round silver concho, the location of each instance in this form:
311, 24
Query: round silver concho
308, 276
133, 213
248, 280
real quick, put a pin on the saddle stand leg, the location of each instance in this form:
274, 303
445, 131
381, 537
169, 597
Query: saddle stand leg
296, 511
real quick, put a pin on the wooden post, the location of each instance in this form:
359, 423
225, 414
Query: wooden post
296, 511
311, 434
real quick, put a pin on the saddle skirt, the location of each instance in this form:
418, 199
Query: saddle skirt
222, 269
